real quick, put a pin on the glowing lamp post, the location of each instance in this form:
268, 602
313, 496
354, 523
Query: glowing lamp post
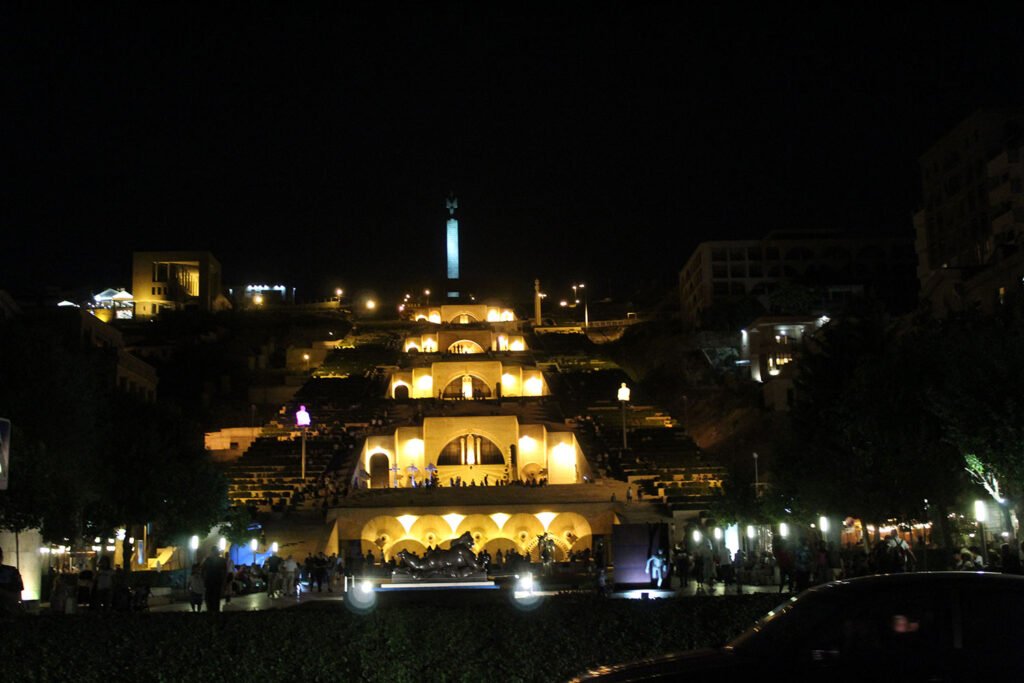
623, 399
253, 545
302, 420
586, 308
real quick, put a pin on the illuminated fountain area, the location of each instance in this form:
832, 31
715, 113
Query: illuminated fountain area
469, 449
467, 380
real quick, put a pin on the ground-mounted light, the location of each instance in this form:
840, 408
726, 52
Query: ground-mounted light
524, 595
193, 543
363, 599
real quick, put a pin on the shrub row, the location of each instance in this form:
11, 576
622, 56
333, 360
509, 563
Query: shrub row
414, 641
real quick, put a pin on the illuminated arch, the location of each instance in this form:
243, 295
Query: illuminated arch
383, 527
380, 470
481, 527
431, 530
484, 451
410, 544
465, 346
501, 543
570, 528
411, 345
456, 318
523, 528
405, 393
455, 388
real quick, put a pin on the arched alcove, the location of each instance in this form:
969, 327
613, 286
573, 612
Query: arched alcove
470, 449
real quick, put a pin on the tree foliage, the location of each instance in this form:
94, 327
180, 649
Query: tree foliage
84, 455
889, 415
863, 441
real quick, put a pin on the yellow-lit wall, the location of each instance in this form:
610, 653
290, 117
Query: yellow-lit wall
492, 528
426, 382
452, 313
557, 452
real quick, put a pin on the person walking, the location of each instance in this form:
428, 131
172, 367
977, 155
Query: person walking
196, 589
11, 587
215, 575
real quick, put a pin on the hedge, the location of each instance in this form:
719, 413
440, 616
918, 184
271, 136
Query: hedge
410, 640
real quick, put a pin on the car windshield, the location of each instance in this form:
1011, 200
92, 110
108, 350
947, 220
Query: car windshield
775, 632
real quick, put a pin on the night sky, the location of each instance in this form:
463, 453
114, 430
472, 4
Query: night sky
595, 143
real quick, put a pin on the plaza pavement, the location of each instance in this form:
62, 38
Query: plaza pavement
260, 601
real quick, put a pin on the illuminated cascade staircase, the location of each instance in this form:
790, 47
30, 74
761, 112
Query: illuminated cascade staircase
270, 473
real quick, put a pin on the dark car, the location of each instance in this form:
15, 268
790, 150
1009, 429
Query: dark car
941, 626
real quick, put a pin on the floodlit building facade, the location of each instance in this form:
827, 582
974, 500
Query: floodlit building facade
176, 280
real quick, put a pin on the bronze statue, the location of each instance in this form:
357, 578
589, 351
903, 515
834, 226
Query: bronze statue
546, 544
458, 562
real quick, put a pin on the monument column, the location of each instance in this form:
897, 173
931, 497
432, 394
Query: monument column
536, 302
452, 242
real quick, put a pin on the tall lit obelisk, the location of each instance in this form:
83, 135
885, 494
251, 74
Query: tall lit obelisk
453, 247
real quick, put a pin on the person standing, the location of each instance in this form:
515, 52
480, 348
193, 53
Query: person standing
290, 568
215, 575
103, 584
196, 589
274, 563
11, 587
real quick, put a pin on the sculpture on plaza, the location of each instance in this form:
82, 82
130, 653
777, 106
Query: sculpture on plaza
657, 566
546, 546
457, 562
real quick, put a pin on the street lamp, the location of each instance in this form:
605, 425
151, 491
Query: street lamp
253, 545
305, 359
586, 309
302, 420
623, 399
338, 292
757, 481
426, 293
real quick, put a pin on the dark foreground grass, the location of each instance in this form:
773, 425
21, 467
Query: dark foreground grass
414, 641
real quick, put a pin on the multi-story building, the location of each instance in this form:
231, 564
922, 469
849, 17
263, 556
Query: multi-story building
79, 327
834, 265
176, 280
971, 222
